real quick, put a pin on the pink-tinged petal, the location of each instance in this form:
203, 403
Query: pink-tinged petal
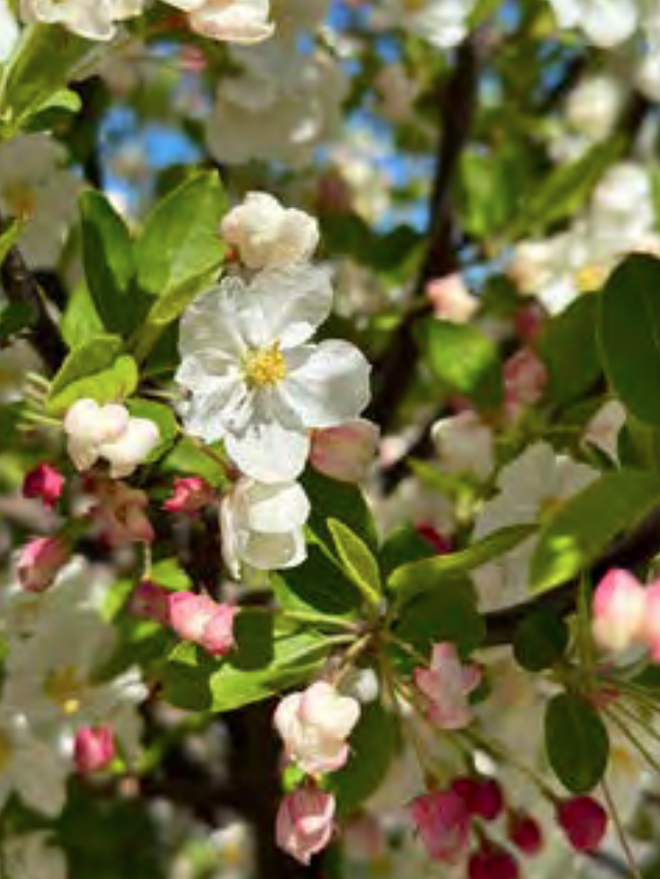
620, 611
443, 823
305, 823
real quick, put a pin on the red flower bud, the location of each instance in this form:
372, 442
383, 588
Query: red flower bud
45, 483
525, 833
584, 821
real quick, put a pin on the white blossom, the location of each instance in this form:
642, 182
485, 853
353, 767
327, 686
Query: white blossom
268, 235
464, 445
443, 23
254, 379
532, 486
604, 22
93, 19
262, 526
8, 30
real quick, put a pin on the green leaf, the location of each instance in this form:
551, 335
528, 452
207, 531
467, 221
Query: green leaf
264, 663
444, 610
639, 445
180, 251
109, 265
373, 745
80, 321
576, 534
576, 741
629, 335
317, 586
98, 370
14, 317
566, 189
569, 349
54, 109
464, 360
332, 499
10, 234
404, 546
540, 640
411, 579
358, 560
187, 459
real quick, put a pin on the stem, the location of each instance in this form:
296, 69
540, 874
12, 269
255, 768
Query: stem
318, 618
625, 845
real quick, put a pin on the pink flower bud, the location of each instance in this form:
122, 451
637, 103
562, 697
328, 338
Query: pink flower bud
446, 685
584, 821
443, 823
619, 611
199, 619
191, 494
529, 321
94, 748
39, 562
492, 862
483, 797
651, 625
44, 482
345, 452
525, 378
451, 300
314, 726
525, 833
151, 601
305, 822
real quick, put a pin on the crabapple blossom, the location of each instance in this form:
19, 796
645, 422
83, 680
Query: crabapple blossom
346, 452
305, 822
268, 235
262, 526
32, 856
93, 749
584, 821
199, 619
314, 725
593, 106
464, 444
605, 22
191, 494
92, 19
255, 380
443, 823
603, 428
40, 561
445, 686
233, 21
619, 611
525, 378
44, 482
443, 23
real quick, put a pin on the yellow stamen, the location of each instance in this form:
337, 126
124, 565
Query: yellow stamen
265, 366
65, 688
590, 278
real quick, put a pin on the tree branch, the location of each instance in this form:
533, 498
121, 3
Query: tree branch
21, 287
394, 371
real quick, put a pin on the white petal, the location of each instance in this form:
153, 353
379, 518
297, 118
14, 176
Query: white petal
274, 509
329, 383
273, 551
40, 777
293, 303
269, 452
213, 326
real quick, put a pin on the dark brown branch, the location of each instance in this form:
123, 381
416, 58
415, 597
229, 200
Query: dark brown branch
635, 549
21, 287
394, 371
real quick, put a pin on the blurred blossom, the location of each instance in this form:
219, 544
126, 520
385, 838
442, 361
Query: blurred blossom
603, 428
451, 300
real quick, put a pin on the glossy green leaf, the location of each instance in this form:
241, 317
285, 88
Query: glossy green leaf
318, 586
98, 370
578, 532
576, 741
333, 499
540, 640
463, 359
629, 335
416, 577
357, 559
180, 251
569, 349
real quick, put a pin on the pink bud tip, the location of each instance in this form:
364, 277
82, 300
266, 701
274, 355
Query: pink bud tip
525, 833
483, 797
191, 494
492, 862
305, 822
40, 561
44, 483
199, 619
94, 748
584, 821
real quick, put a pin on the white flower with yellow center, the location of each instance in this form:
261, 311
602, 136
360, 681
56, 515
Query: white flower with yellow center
92, 19
254, 380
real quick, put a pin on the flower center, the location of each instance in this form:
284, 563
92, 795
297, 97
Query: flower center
265, 366
65, 688
21, 200
590, 278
